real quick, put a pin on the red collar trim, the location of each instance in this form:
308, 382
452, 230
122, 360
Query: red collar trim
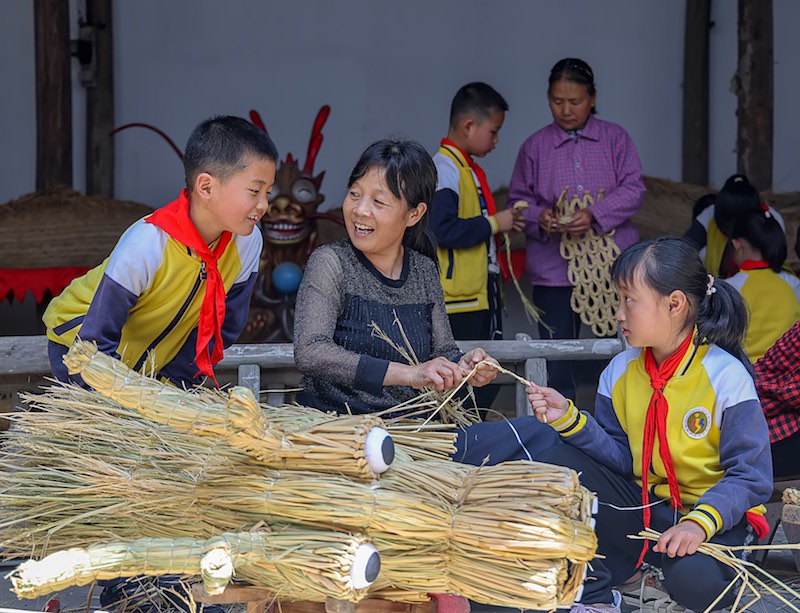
753, 265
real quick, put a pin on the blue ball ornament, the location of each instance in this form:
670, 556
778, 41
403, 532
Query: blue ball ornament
286, 277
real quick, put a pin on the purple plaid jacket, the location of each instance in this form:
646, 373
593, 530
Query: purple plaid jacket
600, 156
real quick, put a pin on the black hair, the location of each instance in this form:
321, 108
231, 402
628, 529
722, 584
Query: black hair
219, 146
575, 70
411, 176
736, 197
702, 203
764, 233
670, 263
477, 100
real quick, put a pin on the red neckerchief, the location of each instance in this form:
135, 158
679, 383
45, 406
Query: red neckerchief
174, 220
753, 265
656, 426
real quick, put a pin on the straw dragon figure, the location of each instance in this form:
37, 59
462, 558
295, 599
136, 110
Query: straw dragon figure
290, 234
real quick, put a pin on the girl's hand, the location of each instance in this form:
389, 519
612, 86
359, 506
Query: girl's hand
485, 373
681, 540
548, 405
438, 373
581, 222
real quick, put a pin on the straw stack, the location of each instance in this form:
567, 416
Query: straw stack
516, 534
330, 445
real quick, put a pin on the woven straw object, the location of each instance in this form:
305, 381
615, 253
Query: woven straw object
305, 563
791, 496
58, 226
589, 257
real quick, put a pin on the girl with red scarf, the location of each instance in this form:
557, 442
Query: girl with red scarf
770, 291
678, 442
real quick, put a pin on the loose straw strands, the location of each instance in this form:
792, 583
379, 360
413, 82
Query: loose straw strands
329, 445
294, 562
752, 577
450, 410
532, 312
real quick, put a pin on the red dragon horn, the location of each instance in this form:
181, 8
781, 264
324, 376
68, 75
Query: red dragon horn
316, 138
256, 119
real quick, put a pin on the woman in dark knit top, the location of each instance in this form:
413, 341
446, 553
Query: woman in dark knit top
383, 273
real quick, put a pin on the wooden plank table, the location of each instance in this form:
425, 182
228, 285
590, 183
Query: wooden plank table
257, 599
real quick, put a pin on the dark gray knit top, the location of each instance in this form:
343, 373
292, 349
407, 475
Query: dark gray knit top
341, 294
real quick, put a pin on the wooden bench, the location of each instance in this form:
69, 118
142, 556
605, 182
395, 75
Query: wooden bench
24, 363
258, 599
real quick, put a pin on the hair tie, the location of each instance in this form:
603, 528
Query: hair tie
710, 289
766, 210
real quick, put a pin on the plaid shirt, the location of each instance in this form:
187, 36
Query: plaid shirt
778, 385
600, 156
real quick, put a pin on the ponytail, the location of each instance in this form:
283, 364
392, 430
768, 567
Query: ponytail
722, 320
763, 232
668, 264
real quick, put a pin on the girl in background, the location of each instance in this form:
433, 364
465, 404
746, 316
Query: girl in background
711, 228
772, 294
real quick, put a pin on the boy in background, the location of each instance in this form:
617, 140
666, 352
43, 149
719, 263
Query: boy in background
466, 223
176, 288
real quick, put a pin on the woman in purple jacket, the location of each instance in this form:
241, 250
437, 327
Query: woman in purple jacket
584, 155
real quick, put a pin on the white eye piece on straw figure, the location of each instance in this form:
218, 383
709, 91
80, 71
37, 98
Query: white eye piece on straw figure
379, 448
366, 566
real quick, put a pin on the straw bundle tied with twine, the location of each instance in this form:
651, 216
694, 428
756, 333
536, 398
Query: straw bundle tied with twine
297, 561
333, 445
112, 475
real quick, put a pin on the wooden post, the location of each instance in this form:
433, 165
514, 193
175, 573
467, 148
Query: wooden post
695, 91
753, 85
53, 93
100, 100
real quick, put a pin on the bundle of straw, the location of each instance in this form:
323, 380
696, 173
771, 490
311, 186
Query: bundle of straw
330, 445
294, 563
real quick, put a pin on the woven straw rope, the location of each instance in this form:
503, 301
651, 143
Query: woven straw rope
589, 257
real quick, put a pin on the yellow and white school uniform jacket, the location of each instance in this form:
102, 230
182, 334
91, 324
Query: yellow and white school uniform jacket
773, 299
142, 304
710, 240
464, 232
716, 429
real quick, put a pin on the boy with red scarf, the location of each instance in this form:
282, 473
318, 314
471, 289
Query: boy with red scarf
678, 442
465, 221
176, 288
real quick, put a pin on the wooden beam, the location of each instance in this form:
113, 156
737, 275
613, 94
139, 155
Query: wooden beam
53, 93
100, 100
754, 89
695, 91
27, 355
